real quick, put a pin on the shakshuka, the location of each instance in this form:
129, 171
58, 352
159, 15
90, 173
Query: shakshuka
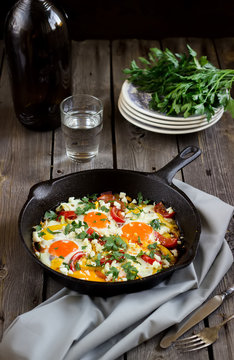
109, 238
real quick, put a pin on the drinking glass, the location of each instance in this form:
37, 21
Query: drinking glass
82, 123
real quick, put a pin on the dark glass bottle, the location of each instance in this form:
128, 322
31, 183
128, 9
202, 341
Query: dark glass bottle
38, 55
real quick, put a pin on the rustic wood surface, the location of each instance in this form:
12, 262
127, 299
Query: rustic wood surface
29, 157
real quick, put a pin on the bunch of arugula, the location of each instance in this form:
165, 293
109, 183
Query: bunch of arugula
182, 84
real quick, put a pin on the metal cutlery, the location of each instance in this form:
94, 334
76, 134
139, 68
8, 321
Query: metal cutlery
206, 309
202, 339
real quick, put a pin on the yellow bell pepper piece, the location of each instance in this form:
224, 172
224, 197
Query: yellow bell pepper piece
167, 252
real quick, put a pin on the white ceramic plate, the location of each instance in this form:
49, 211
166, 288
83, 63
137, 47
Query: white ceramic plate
172, 123
161, 130
161, 123
140, 102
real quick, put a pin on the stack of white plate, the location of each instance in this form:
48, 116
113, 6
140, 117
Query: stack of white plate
134, 106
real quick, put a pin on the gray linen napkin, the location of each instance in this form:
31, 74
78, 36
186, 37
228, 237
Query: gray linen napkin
71, 326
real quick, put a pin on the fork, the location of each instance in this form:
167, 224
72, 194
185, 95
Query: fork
202, 339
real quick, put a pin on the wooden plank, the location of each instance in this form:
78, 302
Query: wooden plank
213, 171
136, 148
91, 75
225, 144
25, 160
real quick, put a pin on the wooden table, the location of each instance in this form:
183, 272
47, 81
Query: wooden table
29, 157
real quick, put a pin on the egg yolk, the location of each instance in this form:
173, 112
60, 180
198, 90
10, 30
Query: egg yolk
90, 275
48, 235
62, 247
137, 232
96, 219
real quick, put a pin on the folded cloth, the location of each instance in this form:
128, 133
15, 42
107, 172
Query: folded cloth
71, 326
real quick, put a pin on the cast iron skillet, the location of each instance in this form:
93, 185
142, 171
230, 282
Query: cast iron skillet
155, 186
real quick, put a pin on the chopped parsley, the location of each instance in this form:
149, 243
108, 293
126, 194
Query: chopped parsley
82, 235
82, 210
73, 226
66, 265
152, 246
42, 233
53, 232
38, 228
166, 257
114, 271
131, 271
113, 242
50, 215
140, 199
77, 266
104, 208
155, 224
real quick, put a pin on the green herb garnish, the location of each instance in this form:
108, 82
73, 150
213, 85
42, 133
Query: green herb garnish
38, 228
104, 208
53, 232
182, 84
114, 271
50, 215
131, 271
155, 224
113, 243
82, 235
42, 233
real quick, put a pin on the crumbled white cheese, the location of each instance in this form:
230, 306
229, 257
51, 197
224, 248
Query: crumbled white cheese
63, 269
174, 252
92, 253
166, 263
79, 230
107, 267
157, 257
109, 277
117, 205
156, 264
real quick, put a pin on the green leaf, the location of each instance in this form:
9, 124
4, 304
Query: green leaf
53, 232
50, 215
131, 271
42, 233
38, 228
182, 84
139, 198
114, 271
155, 224
191, 51
82, 235
113, 242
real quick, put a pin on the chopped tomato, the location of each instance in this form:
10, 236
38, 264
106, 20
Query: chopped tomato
107, 197
90, 231
161, 209
117, 215
105, 260
71, 215
148, 259
74, 259
122, 205
168, 242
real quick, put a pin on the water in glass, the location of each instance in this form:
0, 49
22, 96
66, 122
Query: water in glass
82, 131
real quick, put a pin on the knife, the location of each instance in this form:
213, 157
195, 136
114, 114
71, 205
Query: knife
204, 310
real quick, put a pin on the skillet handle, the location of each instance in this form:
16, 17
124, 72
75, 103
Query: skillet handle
185, 157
